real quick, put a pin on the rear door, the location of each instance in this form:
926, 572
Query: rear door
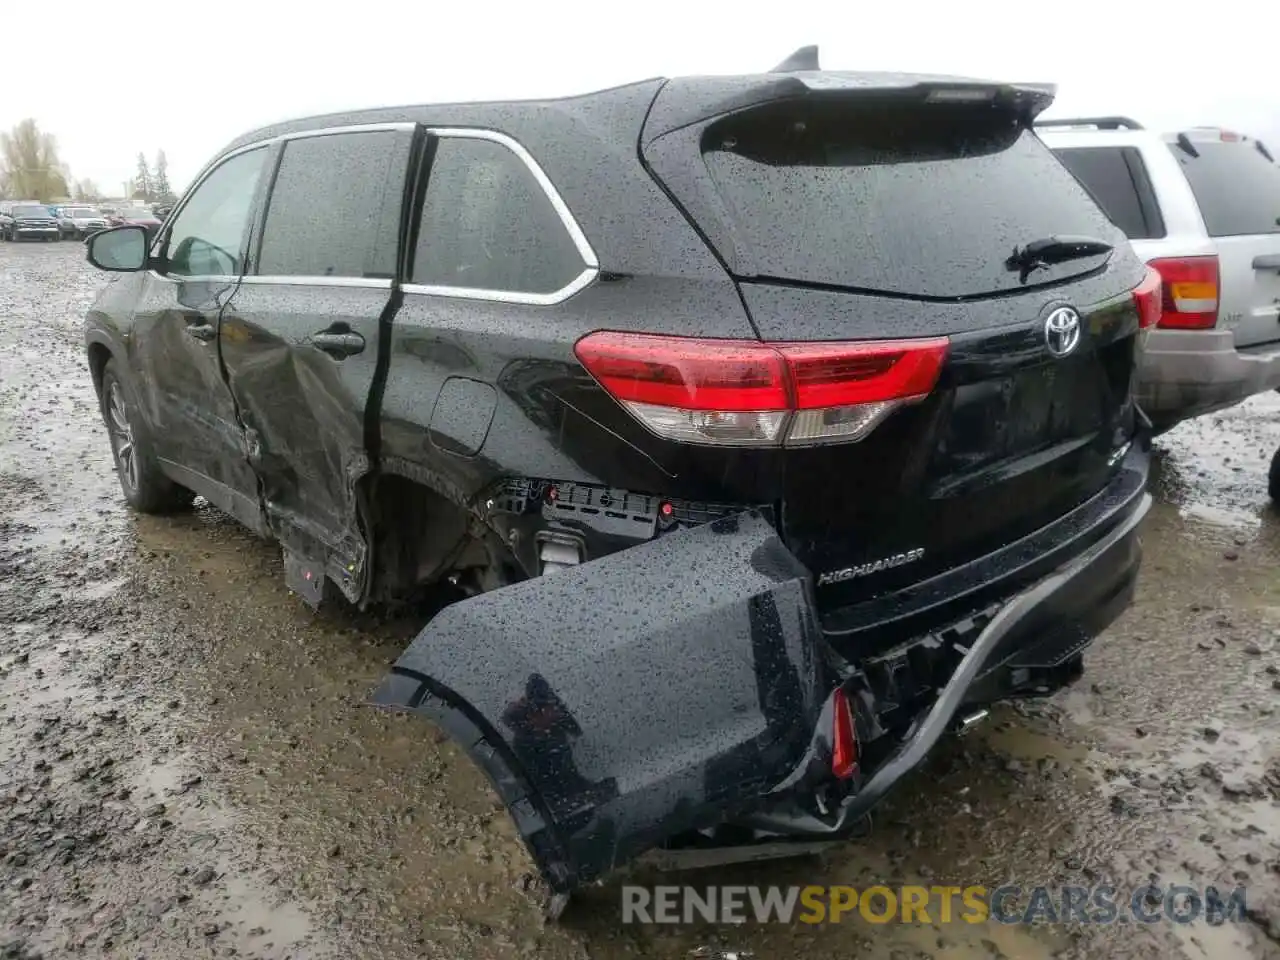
893, 215
1237, 187
300, 337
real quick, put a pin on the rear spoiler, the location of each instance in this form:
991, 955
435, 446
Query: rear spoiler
684, 101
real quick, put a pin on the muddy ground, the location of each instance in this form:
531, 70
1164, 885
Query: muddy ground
187, 770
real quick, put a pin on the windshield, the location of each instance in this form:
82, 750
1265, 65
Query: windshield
81, 212
135, 213
41, 212
911, 199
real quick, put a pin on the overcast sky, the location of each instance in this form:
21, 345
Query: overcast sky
194, 76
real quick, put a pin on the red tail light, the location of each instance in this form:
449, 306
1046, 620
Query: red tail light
742, 392
844, 740
1146, 296
1190, 299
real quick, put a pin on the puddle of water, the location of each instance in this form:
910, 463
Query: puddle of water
99, 589
1227, 941
1221, 516
262, 926
1215, 468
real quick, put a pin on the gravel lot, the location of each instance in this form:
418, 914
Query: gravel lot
187, 770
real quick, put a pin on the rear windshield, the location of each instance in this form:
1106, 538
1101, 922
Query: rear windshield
1237, 188
914, 199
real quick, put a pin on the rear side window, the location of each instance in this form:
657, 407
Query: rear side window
1117, 179
894, 197
1236, 187
487, 224
335, 206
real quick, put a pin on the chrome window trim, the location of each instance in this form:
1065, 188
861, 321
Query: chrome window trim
194, 278
591, 263
353, 128
382, 283
562, 209
506, 296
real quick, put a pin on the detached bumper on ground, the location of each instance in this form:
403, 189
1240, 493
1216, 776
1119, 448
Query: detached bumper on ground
1186, 373
685, 687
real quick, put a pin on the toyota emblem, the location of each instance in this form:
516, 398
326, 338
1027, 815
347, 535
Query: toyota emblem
1062, 331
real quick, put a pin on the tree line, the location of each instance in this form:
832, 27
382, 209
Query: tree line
30, 169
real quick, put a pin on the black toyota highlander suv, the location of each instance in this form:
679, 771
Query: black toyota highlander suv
764, 427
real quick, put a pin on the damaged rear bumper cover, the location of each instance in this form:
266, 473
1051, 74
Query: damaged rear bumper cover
687, 683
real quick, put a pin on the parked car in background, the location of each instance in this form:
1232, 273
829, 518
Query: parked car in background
136, 216
22, 220
84, 221
744, 509
1201, 206
66, 226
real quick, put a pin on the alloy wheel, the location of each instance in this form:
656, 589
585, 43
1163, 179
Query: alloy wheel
122, 443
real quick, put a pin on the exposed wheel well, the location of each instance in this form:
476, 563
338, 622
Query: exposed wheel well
421, 537
1273, 478
98, 357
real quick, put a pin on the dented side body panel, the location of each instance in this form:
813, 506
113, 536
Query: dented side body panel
304, 414
685, 684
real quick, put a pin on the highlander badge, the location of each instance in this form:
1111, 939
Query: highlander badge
874, 566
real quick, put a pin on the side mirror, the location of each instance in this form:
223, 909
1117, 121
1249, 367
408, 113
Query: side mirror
120, 249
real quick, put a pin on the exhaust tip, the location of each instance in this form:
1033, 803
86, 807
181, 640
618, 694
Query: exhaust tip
971, 720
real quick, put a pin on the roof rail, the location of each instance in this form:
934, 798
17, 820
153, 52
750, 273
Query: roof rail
806, 58
1102, 123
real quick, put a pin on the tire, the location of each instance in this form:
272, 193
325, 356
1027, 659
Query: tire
1273, 480
143, 483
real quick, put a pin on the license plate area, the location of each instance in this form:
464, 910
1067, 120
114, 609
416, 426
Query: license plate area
1025, 411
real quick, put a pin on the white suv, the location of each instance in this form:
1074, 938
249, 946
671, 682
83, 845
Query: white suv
1203, 208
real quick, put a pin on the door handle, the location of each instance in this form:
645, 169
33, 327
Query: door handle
1267, 261
338, 344
202, 331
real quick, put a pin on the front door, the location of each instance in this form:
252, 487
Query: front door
300, 335
175, 338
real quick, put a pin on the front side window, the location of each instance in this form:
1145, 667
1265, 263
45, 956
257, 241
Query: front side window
208, 235
335, 206
487, 224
